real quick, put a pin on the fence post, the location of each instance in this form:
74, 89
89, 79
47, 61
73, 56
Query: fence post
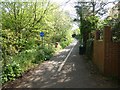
107, 49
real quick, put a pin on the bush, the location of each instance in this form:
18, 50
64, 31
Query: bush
89, 48
48, 52
18, 64
43, 53
25, 58
11, 71
65, 43
39, 56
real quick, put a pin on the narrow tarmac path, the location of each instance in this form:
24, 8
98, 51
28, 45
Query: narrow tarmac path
67, 69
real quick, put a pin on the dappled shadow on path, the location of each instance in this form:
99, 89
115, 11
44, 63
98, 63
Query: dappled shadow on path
47, 75
74, 74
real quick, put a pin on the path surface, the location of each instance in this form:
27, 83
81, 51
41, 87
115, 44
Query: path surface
59, 72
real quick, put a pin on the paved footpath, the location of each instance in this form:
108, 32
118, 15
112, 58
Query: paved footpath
67, 69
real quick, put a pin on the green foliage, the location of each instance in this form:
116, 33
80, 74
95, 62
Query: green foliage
43, 53
25, 58
21, 24
65, 43
116, 32
115, 25
89, 49
40, 56
11, 71
89, 24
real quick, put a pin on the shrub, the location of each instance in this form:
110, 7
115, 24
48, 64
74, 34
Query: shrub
89, 48
43, 53
11, 71
65, 43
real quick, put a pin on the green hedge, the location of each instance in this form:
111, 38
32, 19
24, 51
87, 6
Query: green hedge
89, 49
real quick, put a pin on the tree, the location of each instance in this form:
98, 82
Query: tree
23, 21
88, 12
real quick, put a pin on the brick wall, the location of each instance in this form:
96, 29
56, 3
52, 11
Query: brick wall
112, 62
98, 55
106, 54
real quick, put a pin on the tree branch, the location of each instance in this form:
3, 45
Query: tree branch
44, 12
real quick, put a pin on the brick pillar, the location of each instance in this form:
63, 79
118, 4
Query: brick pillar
107, 51
107, 34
